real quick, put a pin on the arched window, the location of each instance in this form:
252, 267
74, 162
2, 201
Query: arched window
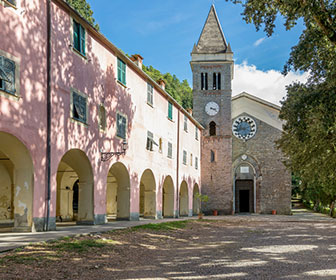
212, 128
212, 156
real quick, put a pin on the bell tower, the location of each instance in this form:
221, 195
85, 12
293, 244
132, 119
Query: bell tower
212, 68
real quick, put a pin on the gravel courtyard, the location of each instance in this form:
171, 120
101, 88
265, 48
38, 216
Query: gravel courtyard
235, 247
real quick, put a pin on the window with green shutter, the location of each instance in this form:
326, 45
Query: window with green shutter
170, 150
121, 126
185, 123
7, 75
184, 157
121, 71
170, 110
196, 162
79, 107
78, 37
149, 94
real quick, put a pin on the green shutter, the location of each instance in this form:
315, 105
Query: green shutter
121, 71
170, 110
76, 31
82, 40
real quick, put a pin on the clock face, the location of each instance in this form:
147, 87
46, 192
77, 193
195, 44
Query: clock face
212, 108
244, 127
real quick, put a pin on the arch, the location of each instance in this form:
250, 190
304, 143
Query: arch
16, 184
246, 174
196, 204
212, 156
168, 198
118, 192
184, 199
74, 171
147, 199
212, 128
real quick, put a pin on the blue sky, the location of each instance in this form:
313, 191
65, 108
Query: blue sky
164, 32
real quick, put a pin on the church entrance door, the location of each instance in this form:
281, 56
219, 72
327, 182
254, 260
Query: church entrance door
244, 196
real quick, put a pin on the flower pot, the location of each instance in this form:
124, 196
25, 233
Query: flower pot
200, 216
273, 212
215, 212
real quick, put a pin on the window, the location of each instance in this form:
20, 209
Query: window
102, 117
121, 71
149, 94
7, 75
121, 126
170, 110
170, 150
184, 157
79, 37
79, 107
204, 81
216, 81
196, 133
185, 123
191, 159
196, 162
212, 128
160, 145
212, 156
11, 2
150, 141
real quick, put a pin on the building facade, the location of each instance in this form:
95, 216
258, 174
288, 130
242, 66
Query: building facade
68, 96
242, 170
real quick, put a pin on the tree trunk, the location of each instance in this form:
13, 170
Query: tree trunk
332, 209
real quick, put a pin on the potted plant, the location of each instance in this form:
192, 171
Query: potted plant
202, 198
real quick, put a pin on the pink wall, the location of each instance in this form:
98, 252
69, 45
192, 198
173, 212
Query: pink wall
94, 76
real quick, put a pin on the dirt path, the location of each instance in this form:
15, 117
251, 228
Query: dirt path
242, 248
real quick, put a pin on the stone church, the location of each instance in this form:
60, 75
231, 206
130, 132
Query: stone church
241, 167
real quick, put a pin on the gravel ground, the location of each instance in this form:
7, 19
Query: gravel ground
236, 247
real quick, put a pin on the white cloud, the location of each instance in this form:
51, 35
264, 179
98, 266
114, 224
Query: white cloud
259, 41
269, 85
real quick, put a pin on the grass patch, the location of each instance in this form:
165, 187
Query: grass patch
79, 245
163, 226
20, 259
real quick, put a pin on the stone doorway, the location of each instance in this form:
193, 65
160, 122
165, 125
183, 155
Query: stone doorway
244, 196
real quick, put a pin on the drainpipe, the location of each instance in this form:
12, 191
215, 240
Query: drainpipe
177, 164
48, 150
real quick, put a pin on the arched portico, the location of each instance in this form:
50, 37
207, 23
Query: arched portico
74, 188
16, 184
118, 192
196, 204
147, 199
184, 199
168, 198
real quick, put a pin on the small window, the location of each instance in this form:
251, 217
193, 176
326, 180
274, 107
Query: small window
184, 157
204, 81
79, 37
196, 133
216, 81
150, 141
160, 145
150, 94
79, 107
212, 156
121, 71
185, 123
191, 159
170, 110
196, 162
7, 75
102, 117
170, 150
212, 128
121, 126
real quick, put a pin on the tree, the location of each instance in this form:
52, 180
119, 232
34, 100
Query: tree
84, 9
309, 134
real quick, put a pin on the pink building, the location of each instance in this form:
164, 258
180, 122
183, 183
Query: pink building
67, 96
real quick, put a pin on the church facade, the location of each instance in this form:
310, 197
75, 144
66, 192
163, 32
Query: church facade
242, 169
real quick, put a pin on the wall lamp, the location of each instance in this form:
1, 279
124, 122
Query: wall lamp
108, 155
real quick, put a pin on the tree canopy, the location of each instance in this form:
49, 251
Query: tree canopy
180, 91
309, 110
84, 9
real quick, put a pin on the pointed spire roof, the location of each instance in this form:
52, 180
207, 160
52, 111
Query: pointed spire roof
212, 39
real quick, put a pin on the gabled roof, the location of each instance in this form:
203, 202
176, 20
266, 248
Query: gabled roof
257, 99
212, 39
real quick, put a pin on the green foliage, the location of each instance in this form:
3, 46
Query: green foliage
78, 245
84, 9
163, 226
180, 91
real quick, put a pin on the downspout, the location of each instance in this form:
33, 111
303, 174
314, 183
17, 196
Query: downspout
177, 164
48, 150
